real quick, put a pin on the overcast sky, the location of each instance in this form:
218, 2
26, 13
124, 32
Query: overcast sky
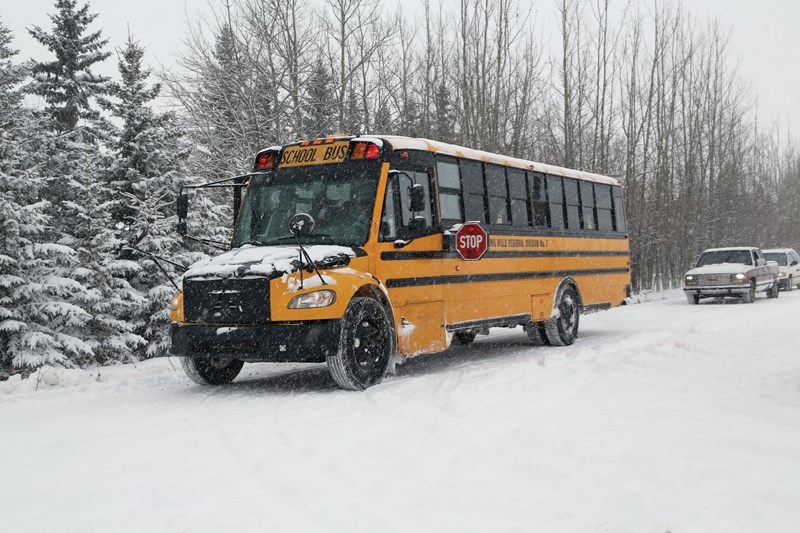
765, 36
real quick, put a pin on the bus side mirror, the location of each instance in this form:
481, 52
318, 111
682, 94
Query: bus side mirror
416, 226
416, 197
182, 205
182, 209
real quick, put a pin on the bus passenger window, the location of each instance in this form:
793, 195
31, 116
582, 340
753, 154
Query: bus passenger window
498, 194
449, 192
474, 194
587, 206
619, 210
573, 203
604, 218
541, 211
518, 191
555, 195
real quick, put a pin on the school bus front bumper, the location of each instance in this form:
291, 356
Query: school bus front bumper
298, 342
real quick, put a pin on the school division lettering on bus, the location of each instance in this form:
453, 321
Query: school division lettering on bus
406, 246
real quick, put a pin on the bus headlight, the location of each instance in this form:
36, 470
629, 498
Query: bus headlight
176, 302
322, 298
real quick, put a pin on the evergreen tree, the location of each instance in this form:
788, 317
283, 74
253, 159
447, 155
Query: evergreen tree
67, 83
145, 178
32, 288
320, 113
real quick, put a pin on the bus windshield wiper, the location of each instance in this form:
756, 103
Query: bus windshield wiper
324, 237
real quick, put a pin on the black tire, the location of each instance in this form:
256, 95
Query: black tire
366, 345
536, 334
562, 330
693, 299
789, 284
773, 291
212, 370
464, 337
750, 296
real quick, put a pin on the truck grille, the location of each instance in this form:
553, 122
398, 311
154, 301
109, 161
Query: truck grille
715, 279
226, 301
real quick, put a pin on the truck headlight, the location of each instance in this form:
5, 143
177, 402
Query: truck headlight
738, 278
782, 274
322, 298
690, 280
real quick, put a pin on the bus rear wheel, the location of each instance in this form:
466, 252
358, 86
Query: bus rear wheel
366, 345
464, 337
562, 329
212, 370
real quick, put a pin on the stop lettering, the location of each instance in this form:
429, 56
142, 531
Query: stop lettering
472, 241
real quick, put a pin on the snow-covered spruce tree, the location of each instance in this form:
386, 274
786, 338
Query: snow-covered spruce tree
67, 82
30, 284
145, 178
97, 313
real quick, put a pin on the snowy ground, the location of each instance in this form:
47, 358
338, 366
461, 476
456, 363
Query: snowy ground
662, 417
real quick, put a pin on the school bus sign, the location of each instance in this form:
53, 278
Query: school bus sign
471, 241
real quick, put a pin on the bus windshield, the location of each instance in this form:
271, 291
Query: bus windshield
339, 197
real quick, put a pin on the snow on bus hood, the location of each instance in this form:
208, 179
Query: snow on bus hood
720, 268
264, 260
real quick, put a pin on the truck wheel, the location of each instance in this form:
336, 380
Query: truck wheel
464, 337
789, 284
562, 330
772, 292
211, 371
365, 346
693, 299
750, 296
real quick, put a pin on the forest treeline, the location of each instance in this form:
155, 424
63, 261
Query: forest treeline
647, 93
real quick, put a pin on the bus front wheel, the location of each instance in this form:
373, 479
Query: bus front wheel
211, 371
366, 345
562, 329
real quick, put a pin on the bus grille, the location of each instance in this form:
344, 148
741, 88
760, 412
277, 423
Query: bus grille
226, 301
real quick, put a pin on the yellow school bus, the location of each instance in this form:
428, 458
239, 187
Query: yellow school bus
349, 250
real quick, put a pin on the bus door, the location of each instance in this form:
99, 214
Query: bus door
409, 260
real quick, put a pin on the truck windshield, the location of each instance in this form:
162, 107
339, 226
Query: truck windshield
339, 197
778, 257
725, 256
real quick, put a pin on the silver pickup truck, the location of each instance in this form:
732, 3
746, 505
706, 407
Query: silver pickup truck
736, 272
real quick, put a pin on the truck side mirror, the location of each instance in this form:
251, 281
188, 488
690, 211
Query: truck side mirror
793, 263
416, 198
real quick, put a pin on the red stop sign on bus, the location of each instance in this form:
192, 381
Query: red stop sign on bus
472, 241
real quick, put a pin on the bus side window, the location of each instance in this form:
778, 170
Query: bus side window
449, 192
604, 215
619, 210
518, 191
587, 205
498, 194
573, 203
555, 195
541, 211
388, 231
472, 175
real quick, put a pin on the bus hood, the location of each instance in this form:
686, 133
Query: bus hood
269, 261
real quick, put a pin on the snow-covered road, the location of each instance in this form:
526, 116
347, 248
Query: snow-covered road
662, 417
